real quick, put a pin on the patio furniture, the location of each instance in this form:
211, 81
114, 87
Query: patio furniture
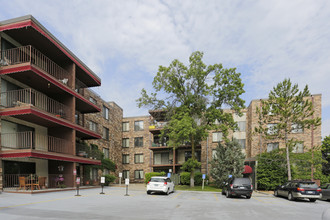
42, 182
22, 183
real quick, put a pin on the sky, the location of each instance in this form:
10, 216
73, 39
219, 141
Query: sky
124, 42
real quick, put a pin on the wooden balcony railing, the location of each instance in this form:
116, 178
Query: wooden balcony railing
28, 54
30, 140
30, 96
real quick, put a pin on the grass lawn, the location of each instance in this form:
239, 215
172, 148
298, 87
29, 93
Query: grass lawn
197, 188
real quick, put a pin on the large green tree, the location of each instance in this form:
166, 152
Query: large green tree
228, 160
286, 110
326, 155
194, 98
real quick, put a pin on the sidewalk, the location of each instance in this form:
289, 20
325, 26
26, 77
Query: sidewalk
133, 186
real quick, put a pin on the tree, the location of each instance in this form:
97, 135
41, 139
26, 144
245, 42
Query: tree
326, 155
288, 109
272, 170
228, 160
194, 98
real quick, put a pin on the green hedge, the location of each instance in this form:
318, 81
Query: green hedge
148, 176
185, 178
109, 179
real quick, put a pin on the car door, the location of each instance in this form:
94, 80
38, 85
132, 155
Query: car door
282, 190
326, 191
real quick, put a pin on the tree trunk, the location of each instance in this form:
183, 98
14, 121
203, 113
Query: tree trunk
192, 173
287, 156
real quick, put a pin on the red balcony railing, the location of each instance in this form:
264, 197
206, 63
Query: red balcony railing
30, 140
28, 54
32, 97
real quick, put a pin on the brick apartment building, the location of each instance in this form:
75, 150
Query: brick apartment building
48, 111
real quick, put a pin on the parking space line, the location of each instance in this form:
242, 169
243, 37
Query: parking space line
176, 195
216, 198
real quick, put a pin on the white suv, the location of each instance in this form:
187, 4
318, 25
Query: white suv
160, 184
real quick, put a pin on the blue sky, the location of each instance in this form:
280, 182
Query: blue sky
124, 42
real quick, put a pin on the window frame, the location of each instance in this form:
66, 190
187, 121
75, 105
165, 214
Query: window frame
125, 122
106, 133
141, 176
127, 159
136, 141
137, 126
215, 140
105, 112
124, 146
140, 158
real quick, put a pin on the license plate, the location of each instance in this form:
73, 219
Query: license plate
242, 187
156, 184
310, 192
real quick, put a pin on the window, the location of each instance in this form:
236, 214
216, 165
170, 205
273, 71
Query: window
241, 126
138, 126
125, 126
161, 158
296, 128
272, 146
94, 174
138, 158
105, 113
92, 126
271, 129
298, 147
106, 172
241, 143
187, 155
125, 158
125, 142
214, 154
216, 136
138, 142
105, 133
106, 152
126, 174
92, 100
138, 174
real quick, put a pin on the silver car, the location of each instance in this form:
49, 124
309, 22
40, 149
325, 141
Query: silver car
160, 184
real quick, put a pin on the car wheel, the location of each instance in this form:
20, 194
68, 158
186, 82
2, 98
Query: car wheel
312, 200
227, 194
168, 191
148, 192
248, 196
276, 193
223, 192
290, 197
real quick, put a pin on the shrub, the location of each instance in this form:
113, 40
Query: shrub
199, 178
109, 179
185, 178
148, 176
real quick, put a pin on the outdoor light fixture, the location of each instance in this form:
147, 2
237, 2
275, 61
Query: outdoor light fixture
60, 168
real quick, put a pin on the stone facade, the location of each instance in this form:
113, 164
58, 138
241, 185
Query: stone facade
131, 133
108, 125
257, 143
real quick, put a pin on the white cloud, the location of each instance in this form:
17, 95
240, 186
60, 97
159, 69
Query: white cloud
124, 42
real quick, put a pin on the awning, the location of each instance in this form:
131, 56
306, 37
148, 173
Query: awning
247, 169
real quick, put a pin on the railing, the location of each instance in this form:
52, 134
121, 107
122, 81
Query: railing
28, 54
30, 96
157, 125
80, 87
153, 144
32, 181
30, 140
84, 150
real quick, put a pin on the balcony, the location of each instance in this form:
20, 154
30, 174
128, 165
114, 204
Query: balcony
26, 64
31, 97
28, 54
31, 140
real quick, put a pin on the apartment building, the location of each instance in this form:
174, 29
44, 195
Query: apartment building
164, 158
42, 84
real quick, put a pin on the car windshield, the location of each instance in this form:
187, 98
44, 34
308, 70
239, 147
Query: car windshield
245, 181
155, 179
308, 185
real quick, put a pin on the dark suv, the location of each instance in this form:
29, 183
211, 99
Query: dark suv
299, 189
238, 187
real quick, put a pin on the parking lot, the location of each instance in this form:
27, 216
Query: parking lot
138, 205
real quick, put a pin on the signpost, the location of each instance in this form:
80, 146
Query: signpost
102, 184
120, 176
126, 183
203, 177
77, 184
